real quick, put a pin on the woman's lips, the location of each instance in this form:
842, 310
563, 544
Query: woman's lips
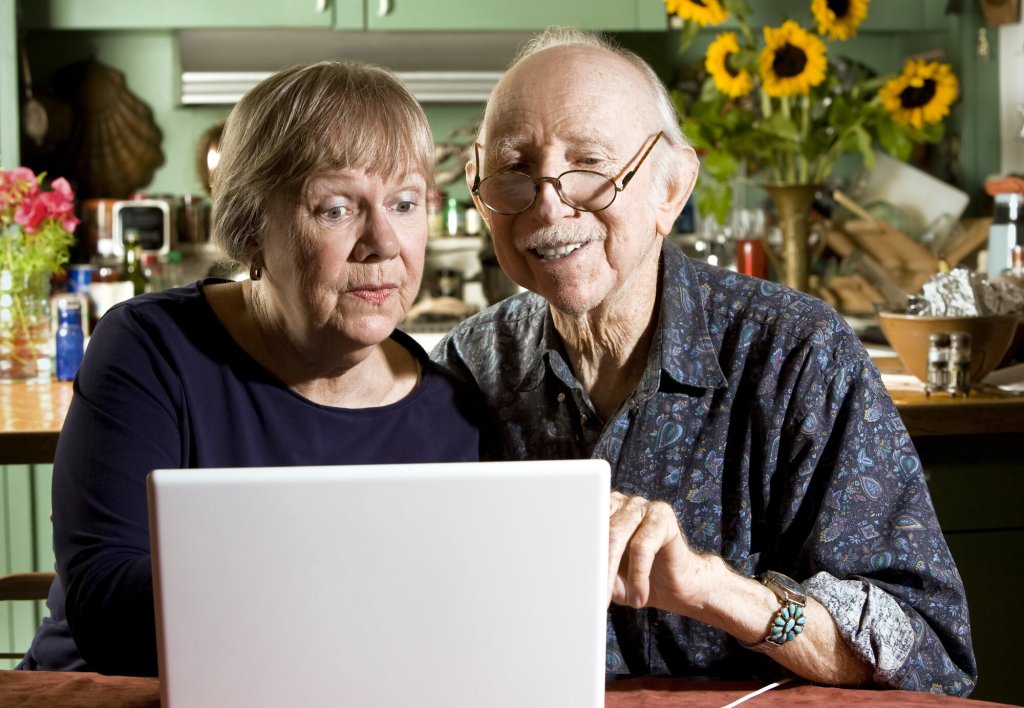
374, 293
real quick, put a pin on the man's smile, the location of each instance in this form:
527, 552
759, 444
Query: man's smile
549, 254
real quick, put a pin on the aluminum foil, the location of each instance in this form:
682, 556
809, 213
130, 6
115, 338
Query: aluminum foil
965, 293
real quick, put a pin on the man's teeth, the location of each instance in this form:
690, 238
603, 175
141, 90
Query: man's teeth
557, 252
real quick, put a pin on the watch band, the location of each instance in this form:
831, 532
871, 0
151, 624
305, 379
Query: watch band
789, 620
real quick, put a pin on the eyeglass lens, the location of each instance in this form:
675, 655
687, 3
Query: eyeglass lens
513, 192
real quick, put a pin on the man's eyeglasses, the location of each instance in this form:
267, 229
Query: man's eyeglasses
512, 192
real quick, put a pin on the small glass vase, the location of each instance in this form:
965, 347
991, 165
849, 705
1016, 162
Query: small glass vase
24, 326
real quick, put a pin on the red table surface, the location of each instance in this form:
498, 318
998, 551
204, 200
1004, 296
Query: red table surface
43, 689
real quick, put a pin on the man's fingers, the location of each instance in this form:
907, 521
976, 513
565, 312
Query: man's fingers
639, 530
626, 515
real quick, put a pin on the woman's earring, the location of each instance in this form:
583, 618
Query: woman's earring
255, 272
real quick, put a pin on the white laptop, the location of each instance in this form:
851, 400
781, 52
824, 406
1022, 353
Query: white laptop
469, 585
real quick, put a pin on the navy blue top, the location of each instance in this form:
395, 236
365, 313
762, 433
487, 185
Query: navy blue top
163, 385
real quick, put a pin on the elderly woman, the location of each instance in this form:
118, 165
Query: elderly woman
321, 191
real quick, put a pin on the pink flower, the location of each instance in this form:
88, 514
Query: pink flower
15, 185
60, 186
19, 191
31, 214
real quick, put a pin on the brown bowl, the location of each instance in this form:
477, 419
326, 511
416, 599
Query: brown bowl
908, 335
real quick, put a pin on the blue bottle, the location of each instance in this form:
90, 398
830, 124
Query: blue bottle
70, 337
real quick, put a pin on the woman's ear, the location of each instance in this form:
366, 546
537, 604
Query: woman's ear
678, 190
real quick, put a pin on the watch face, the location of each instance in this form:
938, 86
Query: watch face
786, 583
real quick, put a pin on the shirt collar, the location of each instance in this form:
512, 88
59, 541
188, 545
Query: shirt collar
682, 346
683, 350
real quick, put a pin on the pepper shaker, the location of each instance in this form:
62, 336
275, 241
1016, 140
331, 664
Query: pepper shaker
959, 380
938, 362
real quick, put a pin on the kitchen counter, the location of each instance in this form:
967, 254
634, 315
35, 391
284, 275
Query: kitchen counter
31, 414
984, 411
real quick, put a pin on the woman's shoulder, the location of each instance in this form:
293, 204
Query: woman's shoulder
167, 321
173, 304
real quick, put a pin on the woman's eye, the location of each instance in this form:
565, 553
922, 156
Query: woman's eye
333, 212
405, 207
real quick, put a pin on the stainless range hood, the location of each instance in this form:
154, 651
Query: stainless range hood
219, 66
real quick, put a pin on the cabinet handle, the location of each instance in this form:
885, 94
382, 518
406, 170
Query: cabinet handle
383, 8
321, 5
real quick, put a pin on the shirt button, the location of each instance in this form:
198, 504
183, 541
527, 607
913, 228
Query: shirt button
561, 398
583, 419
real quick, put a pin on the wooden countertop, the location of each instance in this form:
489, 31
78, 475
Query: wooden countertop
984, 411
31, 414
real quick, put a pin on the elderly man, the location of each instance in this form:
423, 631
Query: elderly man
769, 506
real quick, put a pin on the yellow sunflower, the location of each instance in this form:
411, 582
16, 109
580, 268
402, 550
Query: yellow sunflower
792, 61
732, 82
703, 12
839, 19
922, 94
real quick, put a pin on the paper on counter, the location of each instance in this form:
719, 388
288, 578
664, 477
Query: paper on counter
1009, 378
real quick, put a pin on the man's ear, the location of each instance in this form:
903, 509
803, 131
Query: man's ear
484, 212
678, 190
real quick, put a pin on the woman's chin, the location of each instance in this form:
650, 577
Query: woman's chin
370, 330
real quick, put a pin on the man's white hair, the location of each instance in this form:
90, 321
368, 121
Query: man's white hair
668, 119
665, 119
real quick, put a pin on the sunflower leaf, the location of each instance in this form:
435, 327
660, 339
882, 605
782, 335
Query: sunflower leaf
687, 34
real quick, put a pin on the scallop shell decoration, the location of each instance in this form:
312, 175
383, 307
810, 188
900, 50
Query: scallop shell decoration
114, 144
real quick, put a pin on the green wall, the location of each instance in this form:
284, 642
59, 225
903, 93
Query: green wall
150, 63
26, 544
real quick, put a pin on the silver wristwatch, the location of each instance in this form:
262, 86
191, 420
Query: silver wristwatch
789, 620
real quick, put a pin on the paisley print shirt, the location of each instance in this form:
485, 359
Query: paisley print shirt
761, 419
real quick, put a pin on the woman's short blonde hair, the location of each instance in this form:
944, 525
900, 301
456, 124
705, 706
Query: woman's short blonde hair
304, 121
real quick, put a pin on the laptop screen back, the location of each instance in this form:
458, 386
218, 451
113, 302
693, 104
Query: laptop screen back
456, 585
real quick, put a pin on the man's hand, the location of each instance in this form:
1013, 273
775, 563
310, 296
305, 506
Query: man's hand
649, 562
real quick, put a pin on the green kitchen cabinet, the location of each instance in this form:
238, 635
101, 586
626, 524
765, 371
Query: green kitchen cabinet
612, 15
886, 17
180, 14
357, 15
26, 544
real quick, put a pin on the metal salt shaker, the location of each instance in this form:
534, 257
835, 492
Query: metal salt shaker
959, 380
938, 362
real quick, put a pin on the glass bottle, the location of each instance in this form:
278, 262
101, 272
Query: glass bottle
70, 339
132, 270
174, 275
453, 217
1004, 233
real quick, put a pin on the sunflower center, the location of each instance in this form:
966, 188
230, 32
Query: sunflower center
917, 96
730, 64
789, 61
840, 8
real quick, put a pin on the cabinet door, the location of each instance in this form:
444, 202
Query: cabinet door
177, 14
520, 15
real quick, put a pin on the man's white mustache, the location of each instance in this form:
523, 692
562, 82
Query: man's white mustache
555, 235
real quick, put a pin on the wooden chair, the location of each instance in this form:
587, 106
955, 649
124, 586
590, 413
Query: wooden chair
24, 586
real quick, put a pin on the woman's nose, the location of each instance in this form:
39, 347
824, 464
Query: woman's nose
378, 240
